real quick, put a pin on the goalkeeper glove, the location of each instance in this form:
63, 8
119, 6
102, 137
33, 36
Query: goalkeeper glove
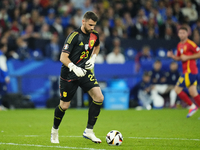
80, 72
90, 63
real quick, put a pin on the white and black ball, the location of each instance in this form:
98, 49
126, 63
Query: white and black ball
114, 137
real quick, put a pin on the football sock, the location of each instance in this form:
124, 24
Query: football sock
193, 106
172, 96
183, 96
93, 113
197, 100
58, 115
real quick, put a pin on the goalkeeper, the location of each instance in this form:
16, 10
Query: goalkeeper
78, 57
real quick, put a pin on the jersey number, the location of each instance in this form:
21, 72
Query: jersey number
84, 54
91, 77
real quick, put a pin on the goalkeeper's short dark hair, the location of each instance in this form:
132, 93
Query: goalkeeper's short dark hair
90, 15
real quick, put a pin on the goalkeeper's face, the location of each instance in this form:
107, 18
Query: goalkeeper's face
88, 25
182, 34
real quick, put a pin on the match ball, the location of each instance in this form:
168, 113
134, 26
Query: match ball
114, 137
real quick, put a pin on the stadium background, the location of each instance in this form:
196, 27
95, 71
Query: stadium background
35, 72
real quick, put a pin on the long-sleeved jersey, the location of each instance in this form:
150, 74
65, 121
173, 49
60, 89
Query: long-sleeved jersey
79, 46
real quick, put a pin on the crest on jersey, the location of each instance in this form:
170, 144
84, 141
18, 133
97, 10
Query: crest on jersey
92, 43
181, 51
86, 46
66, 46
197, 49
64, 94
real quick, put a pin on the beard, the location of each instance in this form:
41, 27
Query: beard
87, 31
183, 39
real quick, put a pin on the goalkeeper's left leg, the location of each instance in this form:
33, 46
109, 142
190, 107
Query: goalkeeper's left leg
93, 113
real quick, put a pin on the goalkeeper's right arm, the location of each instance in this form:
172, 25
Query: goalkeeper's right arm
64, 58
80, 72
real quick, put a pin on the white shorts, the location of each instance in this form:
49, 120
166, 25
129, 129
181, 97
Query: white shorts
161, 88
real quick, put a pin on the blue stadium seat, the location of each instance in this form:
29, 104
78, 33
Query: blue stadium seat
147, 65
161, 52
130, 53
37, 54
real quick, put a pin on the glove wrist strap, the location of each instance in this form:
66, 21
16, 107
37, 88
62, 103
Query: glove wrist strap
94, 56
71, 66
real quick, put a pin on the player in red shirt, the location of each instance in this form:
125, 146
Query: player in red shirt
187, 52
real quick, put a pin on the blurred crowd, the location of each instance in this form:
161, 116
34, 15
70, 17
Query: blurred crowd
38, 28
156, 87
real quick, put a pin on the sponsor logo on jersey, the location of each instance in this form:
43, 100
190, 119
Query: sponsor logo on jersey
86, 46
92, 43
81, 44
66, 46
64, 94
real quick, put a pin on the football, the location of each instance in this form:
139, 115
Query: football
114, 137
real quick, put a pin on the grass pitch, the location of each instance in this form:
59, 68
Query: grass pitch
166, 129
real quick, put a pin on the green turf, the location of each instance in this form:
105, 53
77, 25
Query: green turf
142, 130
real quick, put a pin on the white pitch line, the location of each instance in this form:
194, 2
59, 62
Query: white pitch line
144, 138
47, 146
149, 138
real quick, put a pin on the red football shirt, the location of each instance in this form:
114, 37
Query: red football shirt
188, 48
